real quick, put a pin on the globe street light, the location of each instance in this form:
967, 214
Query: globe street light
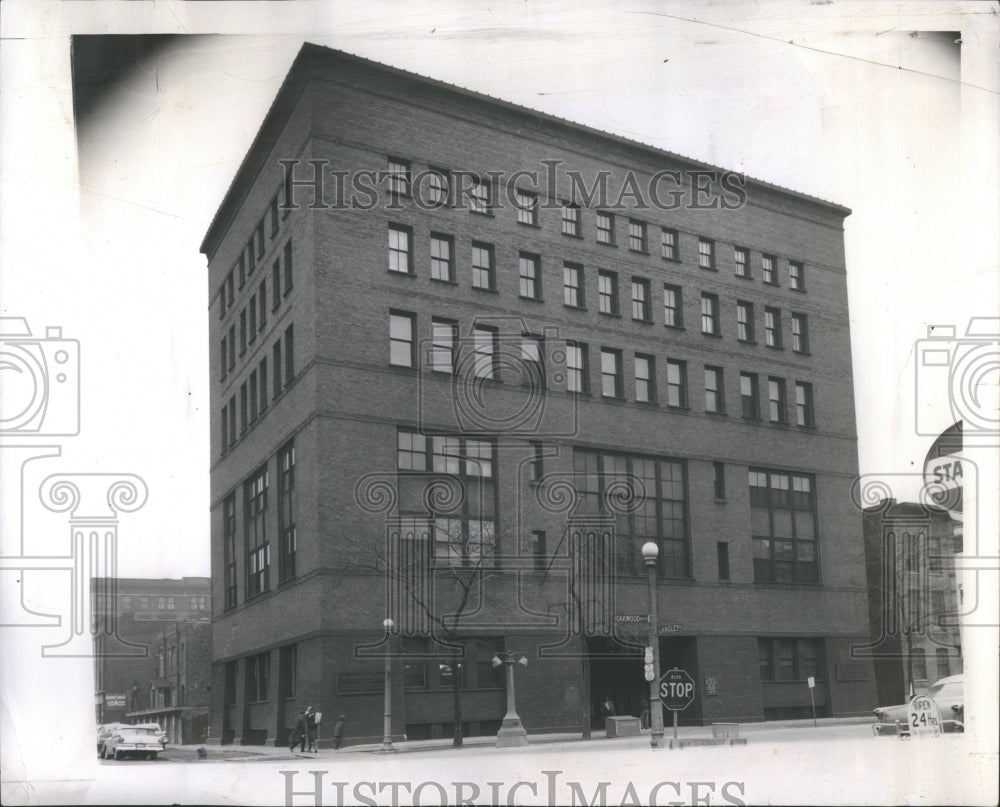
387, 711
512, 732
650, 551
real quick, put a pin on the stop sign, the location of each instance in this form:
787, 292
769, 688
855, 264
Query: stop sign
676, 690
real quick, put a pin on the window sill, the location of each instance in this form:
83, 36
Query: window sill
575, 307
744, 277
607, 244
714, 414
639, 251
531, 299
678, 408
484, 289
708, 268
668, 258
713, 335
801, 352
642, 321
674, 327
614, 314
394, 273
774, 347
447, 282
572, 235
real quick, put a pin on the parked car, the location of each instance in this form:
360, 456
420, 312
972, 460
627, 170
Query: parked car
160, 733
104, 731
132, 741
947, 694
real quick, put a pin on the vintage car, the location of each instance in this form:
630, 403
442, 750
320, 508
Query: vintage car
104, 731
132, 741
160, 733
947, 694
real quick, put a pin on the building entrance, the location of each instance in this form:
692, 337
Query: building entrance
616, 674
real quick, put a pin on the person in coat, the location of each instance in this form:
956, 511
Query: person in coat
299, 733
311, 728
338, 731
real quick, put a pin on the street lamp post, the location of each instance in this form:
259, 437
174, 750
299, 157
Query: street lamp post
512, 732
387, 710
650, 550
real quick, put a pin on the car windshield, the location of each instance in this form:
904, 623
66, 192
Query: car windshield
144, 732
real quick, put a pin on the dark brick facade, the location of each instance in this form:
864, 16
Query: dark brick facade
344, 404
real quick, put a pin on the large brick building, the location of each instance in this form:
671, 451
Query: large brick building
441, 386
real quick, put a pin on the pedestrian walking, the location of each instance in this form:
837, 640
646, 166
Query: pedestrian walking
299, 732
338, 731
312, 728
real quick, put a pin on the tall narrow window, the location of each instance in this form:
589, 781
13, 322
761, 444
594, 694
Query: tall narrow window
767, 269
607, 292
244, 406
479, 196
673, 313
645, 381
289, 355
400, 253
401, 343
749, 395
224, 359
438, 187
527, 207
243, 331
744, 321
710, 313
529, 276
804, 404
258, 552
531, 358
676, 383
399, 177
538, 550
611, 373
776, 400
668, 244
442, 258
796, 276
722, 552
252, 325
636, 235
276, 356
800, 333
286, 511
262, 380
772, 327
719, 473
275, 285
485, 344
571, 220
253, 395
229, 544
573, 285
706, 253
482, 266
714, 400
605, 228
576, 367
287, 261
262, 304
443, 338
640, 300
742, 259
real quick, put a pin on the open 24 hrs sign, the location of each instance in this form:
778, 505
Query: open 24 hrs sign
923, 717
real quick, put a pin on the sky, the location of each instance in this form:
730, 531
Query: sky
102, 221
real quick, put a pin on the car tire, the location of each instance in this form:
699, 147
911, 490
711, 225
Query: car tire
116, 755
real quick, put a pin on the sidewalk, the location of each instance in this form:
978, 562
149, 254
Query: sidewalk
748, 730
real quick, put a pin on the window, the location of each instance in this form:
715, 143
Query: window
232, 346
274, 216
722, 553
251, 262
742, 260
658, 512
536, 466
253, 395
288, 266
482, 266
222, 300
411, 451
243, 269
941, 657
258, 672
573, 285
230, 295
262, 379
571, 220
636, 235
529, 276
640, 300
225, 429
199, 603
224, 359
645, 380
611, 373
676, 383
479, 196
252, 327
776, 400
255, 538
750, 401
767, 269
714, 397
232, 419
605, 228
286, 511
260, 241
800, 333
783, 527
538, 551
673, 312
710, 314
527, 208
442, 258
668, 244
399, 177
744, 321
262, 303
400, 250
772, 327
401, 328
143, 603
531, 362
288, 670
289, 355
485, 339
804, 404
576, 367
919, 663
796, 276
790, 659
607, 292
276, 361
444, 334
243, 331
439, 187
276, 284
719, 472
244, 401
706, 253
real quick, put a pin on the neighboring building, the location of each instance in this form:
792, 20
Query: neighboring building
132, 616
471, 391
913, 597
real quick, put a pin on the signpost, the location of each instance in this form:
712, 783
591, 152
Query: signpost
811, 681
676, 692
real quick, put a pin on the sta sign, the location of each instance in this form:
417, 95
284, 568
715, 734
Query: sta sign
676, 690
